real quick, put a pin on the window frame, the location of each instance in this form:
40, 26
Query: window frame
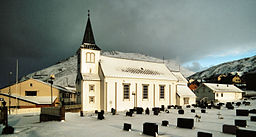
186, 100
91, 90
93, 99
124, 92
26, 93
90, 57
143, 93
160, 93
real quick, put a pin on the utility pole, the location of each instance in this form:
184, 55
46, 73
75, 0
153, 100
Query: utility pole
17, 76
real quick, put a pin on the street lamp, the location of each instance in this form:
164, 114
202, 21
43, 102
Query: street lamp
10, 74
52, 77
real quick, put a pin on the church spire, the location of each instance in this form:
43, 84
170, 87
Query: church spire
88, 34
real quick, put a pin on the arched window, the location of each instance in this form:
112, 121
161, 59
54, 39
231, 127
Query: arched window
90, 57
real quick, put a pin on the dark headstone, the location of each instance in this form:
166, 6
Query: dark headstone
168, 107
240, 123
193, 110
238, 103
156, 109
245, 133
139, 110
162, 108
100, 115
253, 118
242, 112
132, 110
203, 111
156, 112
81, 113
129, 114
181, 111
229, 129
230, 107
209, 107
102, 111
8, 130
217, 107
252, 111
247, 103
96, 111
127, 126
147, 111
204, 134
185, 123
150, 129
166, 111
179, 107
165, 123
113, 111
188, 106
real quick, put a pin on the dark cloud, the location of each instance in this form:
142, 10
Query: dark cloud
195, 66
40, 33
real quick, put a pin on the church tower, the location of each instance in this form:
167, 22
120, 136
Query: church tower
88, 81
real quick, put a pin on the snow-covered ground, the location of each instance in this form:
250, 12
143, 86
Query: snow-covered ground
89, 126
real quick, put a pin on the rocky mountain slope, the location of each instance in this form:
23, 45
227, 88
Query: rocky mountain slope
238, 66
65, 71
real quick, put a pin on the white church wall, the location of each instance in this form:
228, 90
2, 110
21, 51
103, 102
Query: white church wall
228, 96
115, 93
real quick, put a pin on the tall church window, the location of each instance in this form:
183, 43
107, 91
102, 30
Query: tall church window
90, 57
145, 92
126, 91
161, 91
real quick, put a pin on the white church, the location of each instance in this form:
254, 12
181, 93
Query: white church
108, 82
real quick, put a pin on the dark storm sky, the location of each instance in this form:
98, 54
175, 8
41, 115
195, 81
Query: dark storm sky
42, 32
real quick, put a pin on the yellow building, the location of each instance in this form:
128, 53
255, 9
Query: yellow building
35, 93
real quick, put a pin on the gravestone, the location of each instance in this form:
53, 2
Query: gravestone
185, 123
253, 118
166, 111
242, 112
193, 110
165, 123
81, 113
229, 129
245, 133
132, 110
204, 134
139, 110
181, 111
8, 130
168, 107
100, 115
203, 111
113, 111
147, 111
188, 106
129, 114
102, 111
238, 103
252, 111
96, 111
156, 112
247, 103
162, 108
240, 123
127, 126
150, 129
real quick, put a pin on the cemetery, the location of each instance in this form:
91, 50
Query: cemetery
198, 120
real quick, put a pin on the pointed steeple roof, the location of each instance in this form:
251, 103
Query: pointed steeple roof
88, 36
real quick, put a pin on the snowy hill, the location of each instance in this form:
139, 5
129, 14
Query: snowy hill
66, 70
238, 66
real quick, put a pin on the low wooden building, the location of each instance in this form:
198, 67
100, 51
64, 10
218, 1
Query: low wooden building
35, 93
218, 92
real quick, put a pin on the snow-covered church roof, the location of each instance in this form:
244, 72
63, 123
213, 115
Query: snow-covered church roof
117, 67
